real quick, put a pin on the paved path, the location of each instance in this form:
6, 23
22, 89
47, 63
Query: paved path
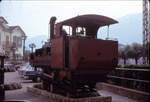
116, 97
12, 77
22, 94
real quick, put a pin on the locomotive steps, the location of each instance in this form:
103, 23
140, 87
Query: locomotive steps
59, 98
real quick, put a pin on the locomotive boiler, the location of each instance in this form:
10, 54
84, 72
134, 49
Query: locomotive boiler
75, 57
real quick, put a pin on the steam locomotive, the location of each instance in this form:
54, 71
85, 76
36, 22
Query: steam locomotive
76, 57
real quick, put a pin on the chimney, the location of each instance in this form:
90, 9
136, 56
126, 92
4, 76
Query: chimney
52, 27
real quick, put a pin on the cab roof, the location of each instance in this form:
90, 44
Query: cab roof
89, 20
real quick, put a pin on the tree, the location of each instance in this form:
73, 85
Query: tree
32, 46
136, 51
133, 51
123, 54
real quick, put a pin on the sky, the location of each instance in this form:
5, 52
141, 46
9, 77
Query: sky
33, 16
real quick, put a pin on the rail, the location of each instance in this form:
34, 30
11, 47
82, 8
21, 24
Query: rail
129, 79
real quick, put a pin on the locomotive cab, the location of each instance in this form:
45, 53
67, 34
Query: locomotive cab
80, 51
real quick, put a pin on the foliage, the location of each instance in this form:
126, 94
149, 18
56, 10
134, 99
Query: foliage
12, 86
9, 70
134, 66
124, 53
134, 51
38, 85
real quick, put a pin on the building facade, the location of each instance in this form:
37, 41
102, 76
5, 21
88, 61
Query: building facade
12, 40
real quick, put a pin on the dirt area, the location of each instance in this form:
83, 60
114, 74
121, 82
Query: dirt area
22, 94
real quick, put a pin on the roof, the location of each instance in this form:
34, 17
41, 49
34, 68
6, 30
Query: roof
3, 27
2, 20
11, 28
89, 20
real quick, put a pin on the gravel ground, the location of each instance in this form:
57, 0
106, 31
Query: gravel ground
22, 94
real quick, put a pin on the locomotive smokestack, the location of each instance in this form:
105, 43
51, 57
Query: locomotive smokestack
52, 24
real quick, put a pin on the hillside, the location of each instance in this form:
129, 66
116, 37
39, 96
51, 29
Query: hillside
37, 40
127, 31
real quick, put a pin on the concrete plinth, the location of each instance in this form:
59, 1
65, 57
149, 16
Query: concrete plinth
59, 98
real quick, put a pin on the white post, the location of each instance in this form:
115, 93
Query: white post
107, 33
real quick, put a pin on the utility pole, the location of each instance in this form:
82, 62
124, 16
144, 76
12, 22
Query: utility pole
146, 31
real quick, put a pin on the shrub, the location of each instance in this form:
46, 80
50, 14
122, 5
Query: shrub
12, 86
9, 70
134, 66
38, 85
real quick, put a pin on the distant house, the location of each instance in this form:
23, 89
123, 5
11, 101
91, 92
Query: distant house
12, 40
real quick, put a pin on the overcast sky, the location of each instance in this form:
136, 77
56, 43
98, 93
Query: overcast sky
33, 16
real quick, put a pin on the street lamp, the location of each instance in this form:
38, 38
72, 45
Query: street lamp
32, 45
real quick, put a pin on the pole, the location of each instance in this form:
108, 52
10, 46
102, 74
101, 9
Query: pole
107, 33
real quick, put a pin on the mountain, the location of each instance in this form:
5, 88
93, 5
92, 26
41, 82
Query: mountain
37, 40
127, 31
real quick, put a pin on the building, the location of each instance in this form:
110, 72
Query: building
12, 40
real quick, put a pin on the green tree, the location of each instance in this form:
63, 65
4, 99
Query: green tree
124, 53
133, 51
136, 52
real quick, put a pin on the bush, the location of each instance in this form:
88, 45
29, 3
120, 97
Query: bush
134, 66
12, 86
110, 82
39, 86
9, 70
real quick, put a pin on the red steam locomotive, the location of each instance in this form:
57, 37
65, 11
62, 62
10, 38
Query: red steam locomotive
76, 58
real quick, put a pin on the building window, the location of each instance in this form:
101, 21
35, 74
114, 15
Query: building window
14, 40
19, 42
7, 39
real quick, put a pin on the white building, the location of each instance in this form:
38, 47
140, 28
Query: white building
12, 40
